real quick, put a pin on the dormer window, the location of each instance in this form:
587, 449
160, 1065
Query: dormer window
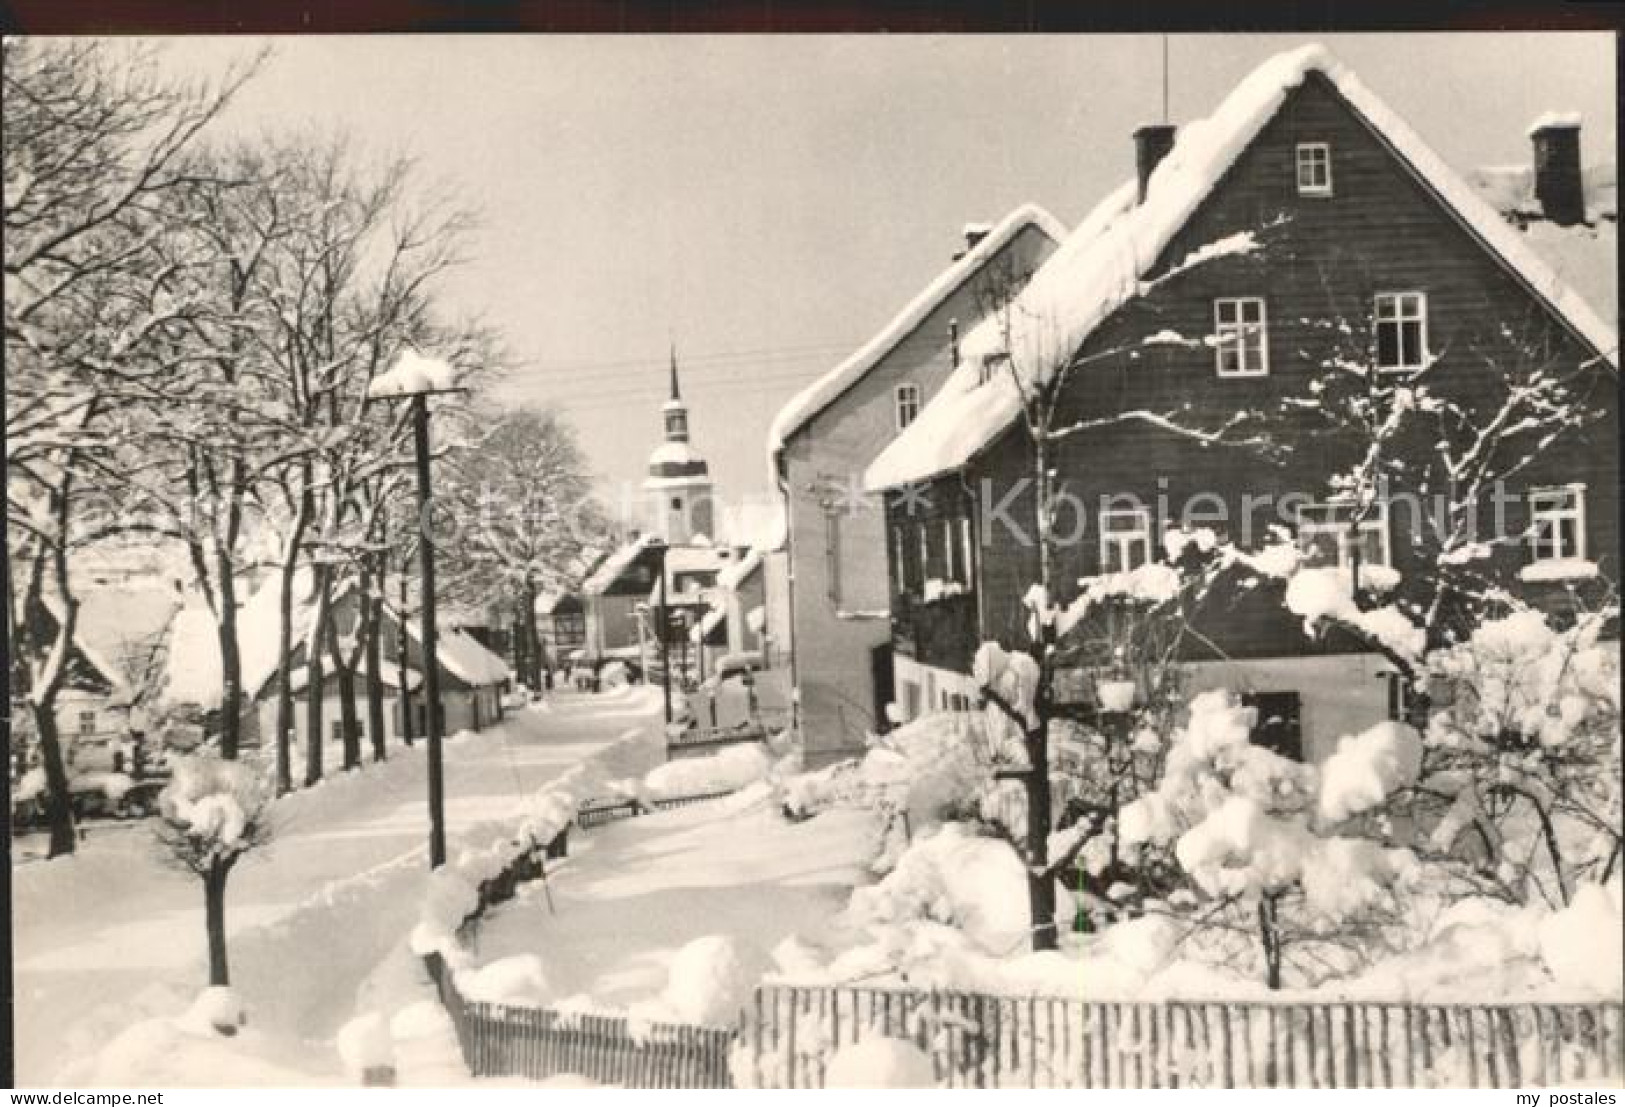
1314, 169
908, 404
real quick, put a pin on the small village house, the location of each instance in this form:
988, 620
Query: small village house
820, 444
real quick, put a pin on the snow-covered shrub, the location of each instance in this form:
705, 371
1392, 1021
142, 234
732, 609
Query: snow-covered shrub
935, 768
613, 675
953, 876
365, 1045
726, 770
879, 1062
516, 981
1582, 944
709, 982
211, 813
1253, 831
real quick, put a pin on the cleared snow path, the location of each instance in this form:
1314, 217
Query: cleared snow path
110, 935
633, 893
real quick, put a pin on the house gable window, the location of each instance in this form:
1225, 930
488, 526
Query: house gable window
832, 552
1329, 535
1125, 538
1241, 335
1401, 320
1314, 169
87, 722
1557, 528
908, 404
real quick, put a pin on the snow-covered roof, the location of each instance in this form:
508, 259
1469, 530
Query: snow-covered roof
1100, 266
1510, 189
192, 666
826, 389
388, 674
1584, 258
759, 523
462, 656
122, 692
675, 453
735, 574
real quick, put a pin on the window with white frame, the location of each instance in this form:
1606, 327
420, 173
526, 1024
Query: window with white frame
1338, 534
1241, 335
1125, 538
900, 557
925, 552
1314, 169
87, 722
832, 552
908, 404
1557, 523
1401, 320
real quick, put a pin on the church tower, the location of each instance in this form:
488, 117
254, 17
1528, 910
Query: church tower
679, 481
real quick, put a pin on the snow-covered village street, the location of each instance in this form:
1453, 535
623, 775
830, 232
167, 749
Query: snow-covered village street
831, 562
345, 878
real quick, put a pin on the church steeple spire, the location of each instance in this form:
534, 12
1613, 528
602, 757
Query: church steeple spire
676, 412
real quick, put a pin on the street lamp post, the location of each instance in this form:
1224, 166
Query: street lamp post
663, 630
416, 378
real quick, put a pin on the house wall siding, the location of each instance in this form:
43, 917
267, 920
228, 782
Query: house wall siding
1321, 260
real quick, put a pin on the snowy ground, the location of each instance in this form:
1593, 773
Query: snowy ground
110, 936
635, 892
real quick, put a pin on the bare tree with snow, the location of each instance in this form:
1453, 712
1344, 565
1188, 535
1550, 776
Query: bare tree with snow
212, 814
97, 145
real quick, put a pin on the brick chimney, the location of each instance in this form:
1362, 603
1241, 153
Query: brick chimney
1151, 145
1559, 185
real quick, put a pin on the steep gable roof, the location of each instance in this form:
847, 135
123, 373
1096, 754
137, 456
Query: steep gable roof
1100, 266
824, 391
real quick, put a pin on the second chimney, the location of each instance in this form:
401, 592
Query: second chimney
1559, 185
1151, 145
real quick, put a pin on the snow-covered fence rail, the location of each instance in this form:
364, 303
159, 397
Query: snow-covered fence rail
979, 1041
597, 814
499, 1040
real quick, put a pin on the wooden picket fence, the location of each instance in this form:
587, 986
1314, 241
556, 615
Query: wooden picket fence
788, 1034
982, 1041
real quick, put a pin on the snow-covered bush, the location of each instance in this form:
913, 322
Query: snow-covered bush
708, 983
212, 813
726, 770
613, 675
1255, 833
1523, 744
879, 1062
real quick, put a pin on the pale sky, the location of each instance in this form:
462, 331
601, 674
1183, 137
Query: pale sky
770, 202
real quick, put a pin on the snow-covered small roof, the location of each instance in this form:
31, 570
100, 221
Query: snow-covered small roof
826, 389
675, 453
411, 374
758, 523
1100, 265
1510, 189
736, 573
